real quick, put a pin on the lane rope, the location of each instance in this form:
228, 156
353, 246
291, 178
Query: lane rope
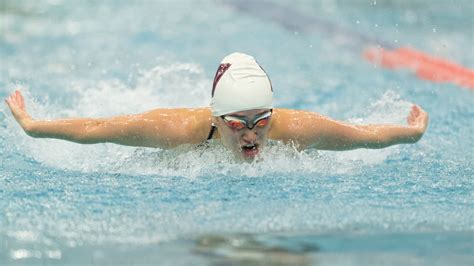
425, 66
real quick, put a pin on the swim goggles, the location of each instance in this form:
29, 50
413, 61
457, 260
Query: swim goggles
235, 122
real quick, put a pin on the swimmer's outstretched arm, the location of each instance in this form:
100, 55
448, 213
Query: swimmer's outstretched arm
164, 128
311, 130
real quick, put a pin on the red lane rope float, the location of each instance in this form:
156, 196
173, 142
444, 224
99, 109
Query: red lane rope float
425, 66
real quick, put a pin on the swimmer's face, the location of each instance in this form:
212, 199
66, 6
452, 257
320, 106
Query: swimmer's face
244, 142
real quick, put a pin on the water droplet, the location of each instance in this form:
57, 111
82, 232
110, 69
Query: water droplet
358, 22
376, 25
434, 30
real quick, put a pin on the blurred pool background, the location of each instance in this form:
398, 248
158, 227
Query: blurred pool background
64, 203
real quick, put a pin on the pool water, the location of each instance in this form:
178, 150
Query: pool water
65, 203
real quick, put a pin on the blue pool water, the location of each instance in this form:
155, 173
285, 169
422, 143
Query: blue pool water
106, 204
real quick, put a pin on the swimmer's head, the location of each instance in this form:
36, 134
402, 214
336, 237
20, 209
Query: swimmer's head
242, 105
240, 84
244, 133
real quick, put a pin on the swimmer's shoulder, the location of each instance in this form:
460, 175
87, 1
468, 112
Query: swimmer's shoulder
288, 124
191, 124
197, 123
200, 124
279, 124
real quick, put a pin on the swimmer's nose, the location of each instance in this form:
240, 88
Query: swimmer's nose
250, 136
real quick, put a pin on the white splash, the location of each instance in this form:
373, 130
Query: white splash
185, 85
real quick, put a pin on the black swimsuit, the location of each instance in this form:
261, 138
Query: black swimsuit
211, 133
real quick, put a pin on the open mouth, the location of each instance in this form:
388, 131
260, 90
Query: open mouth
250, 149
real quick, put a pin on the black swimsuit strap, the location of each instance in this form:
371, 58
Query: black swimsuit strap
211, 133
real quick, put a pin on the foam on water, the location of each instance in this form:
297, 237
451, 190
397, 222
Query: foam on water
66, 202
172, 172
178, 85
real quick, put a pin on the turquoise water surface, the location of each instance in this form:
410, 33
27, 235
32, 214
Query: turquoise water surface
65, 203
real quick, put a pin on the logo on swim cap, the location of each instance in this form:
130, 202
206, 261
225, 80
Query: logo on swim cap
240, 84
220, 71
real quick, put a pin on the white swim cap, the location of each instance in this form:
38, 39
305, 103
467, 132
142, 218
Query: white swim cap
240, 84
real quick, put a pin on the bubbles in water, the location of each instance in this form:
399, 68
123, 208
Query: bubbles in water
183, 84
389, 109
164, 86
279, 202
24, 254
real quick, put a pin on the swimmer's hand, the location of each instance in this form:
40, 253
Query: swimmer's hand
418, 119
312, 130
163, 128
16, 103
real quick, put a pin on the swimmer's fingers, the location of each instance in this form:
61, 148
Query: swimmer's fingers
11, 102
20, 100
413, 114
16, 103
418, 118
